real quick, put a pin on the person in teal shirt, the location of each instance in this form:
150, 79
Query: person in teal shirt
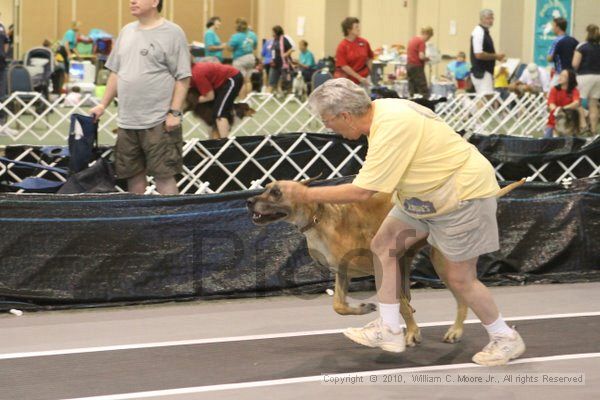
307, 59
212, 42
242, 44
244, 41
70, 39
306, 62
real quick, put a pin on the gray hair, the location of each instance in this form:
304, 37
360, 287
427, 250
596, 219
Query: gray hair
336, 96
486, 12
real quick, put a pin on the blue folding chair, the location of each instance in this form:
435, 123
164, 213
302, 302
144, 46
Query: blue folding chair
320, 77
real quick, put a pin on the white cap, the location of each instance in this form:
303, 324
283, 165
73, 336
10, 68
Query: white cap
532, 68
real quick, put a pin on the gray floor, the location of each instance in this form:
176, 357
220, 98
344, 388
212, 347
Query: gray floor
303, 356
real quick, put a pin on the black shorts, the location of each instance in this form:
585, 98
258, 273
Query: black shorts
225, 96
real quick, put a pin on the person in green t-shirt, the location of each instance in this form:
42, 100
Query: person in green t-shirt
212, 42
70, 39
242, 44
306, 62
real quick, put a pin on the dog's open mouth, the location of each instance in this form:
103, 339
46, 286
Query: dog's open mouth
259, 218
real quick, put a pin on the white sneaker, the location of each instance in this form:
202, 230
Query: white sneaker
375, 334
500, 350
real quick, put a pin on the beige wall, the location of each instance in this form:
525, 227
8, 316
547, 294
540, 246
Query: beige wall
313, 12
6, 12
383, 21
335, 12
270, 13
386, 21
585, 12
511, 28
37, 22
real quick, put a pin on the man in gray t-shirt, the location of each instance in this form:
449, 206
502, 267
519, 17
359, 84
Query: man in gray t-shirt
150, 71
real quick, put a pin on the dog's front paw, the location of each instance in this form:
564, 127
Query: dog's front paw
453, 335
361, 309
413, 337
366, 308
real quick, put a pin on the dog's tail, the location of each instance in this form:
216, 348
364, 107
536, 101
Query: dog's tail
509, 188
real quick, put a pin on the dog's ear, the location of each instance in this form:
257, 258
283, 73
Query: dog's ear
309, 180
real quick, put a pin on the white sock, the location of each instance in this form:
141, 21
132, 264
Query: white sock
390, 315
498, 327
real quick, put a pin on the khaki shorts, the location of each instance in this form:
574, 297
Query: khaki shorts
463, 234
153, 150
589, 86
245, 64
485, 85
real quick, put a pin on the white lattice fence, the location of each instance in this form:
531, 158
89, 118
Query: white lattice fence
518, 116
212, 171
209, 162
29, 116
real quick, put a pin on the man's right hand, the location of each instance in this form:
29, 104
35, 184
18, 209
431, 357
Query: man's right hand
97, 112
500, 56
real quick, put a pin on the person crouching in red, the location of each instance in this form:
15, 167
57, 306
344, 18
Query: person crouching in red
220, 84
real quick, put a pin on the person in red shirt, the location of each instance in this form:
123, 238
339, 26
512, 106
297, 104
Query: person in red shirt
564, 95
219, 83
415, 63
353, 57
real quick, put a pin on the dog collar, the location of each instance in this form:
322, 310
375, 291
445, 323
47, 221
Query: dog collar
314, 221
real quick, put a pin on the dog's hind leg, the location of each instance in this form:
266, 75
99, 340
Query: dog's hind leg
413, 333
455, 332
339, 298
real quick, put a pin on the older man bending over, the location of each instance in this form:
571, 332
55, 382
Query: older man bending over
444, 190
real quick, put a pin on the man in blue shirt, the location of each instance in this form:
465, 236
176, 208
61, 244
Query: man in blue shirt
563, 47
212, 42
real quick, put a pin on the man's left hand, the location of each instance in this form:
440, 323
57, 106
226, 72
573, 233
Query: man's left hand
293, 191
172, 122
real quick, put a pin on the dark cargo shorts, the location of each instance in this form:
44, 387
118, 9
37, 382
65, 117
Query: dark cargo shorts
153, 150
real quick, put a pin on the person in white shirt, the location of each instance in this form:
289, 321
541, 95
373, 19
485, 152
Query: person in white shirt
483, 54
535, 78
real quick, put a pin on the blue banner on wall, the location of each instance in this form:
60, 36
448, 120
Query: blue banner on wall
545, 12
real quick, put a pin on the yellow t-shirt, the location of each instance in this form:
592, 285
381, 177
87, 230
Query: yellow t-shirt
500, 77
417, 156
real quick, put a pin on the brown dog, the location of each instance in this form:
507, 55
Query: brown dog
339, 237
204, 111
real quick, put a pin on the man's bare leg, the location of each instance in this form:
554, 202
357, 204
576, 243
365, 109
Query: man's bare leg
137, 184
505, 343
223, 127
166, 185
462, 280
